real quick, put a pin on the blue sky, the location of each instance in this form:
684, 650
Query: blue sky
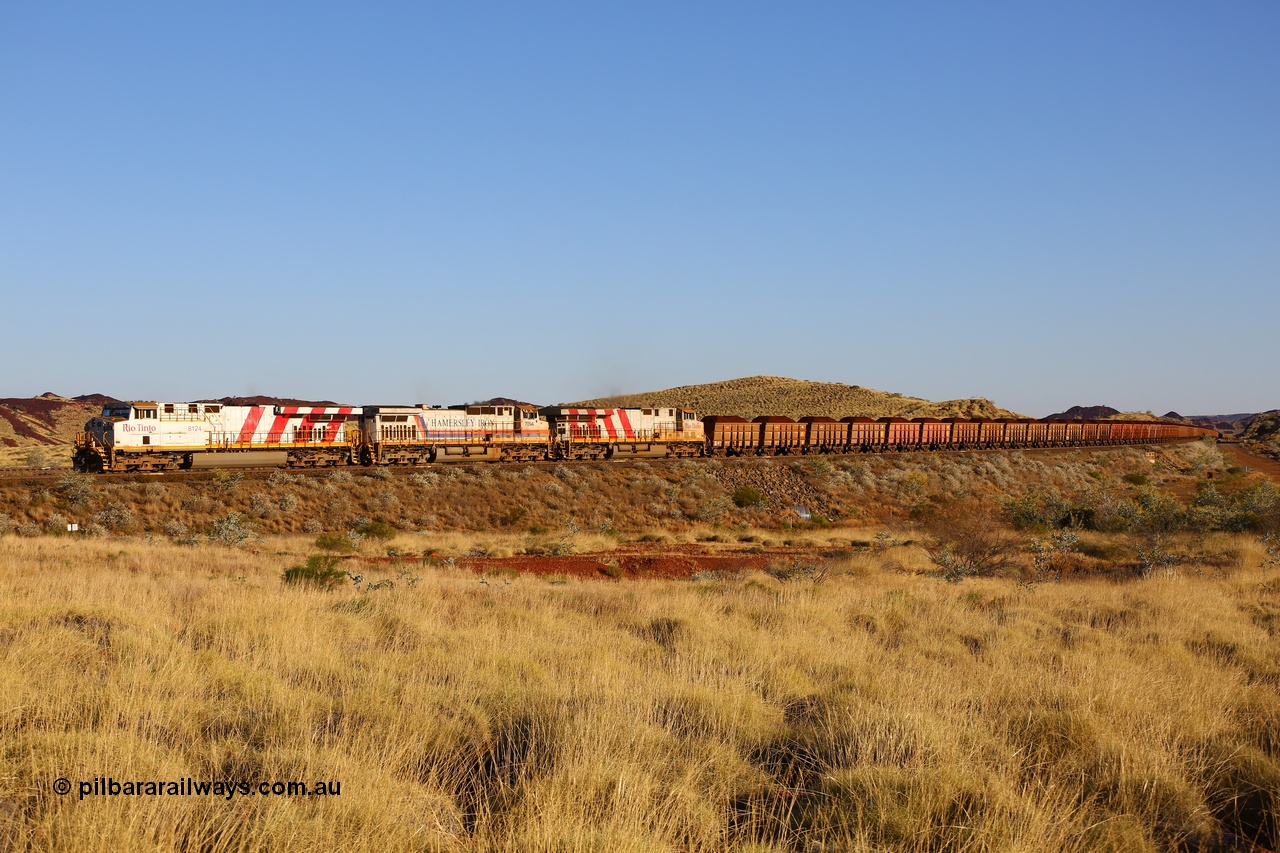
1044, 205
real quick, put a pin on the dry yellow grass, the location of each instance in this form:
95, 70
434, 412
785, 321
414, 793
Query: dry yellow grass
877, 710
55, 455
777, 395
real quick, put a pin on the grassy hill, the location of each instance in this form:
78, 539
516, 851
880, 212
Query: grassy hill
777, 395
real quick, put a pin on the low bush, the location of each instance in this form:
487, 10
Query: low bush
965, 539
338, 543
378, 530
231, 530
747, 496
1046, 509
320, 570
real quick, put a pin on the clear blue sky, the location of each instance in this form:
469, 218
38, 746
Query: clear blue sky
1044, 205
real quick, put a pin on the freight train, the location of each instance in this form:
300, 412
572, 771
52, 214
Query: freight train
149, 436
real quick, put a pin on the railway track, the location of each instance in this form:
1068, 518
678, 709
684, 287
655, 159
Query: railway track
34, 476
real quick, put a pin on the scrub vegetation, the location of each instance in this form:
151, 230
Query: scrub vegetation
866, 706
978, 652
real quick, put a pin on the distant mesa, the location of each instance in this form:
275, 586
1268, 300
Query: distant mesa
1084, 413
267, 401
497, 401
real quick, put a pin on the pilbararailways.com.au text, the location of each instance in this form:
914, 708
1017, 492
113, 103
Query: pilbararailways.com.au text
106, 786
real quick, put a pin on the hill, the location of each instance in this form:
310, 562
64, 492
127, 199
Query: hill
1224, 423
1233, 423
1083, 413
45, 424
1263, 433
794, 398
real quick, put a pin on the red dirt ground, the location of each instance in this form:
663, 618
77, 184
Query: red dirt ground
1261, 464
643, 561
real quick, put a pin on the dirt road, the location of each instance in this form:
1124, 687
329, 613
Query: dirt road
1252, 461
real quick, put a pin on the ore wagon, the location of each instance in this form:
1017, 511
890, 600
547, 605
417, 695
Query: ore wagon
991, 433
825, 435
1037, 433
1015, 432
901, 434
780, 436
1056, 433
964, 432
865, 434
934, 434
730, 435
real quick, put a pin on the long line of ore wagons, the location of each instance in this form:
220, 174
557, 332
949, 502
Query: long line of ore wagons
150, 436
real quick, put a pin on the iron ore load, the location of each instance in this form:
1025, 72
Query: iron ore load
149, 436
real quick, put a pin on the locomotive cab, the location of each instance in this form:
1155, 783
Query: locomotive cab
102, 429
144, 436
150, 425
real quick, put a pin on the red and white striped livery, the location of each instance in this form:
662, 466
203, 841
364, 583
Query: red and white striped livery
609, 433
149, 436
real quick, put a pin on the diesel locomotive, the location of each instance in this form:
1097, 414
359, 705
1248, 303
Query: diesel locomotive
151, 436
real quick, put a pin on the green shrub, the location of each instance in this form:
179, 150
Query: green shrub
339, 543
1045, 510
1252, 507
379, 530
747, 496
320, 570
1136, 478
